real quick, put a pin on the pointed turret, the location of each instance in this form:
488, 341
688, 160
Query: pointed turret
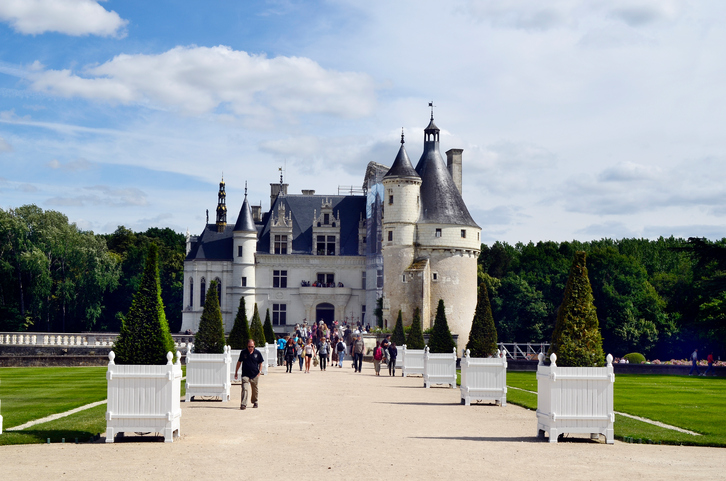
245, 222
402, 166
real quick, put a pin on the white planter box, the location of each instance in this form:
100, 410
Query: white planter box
143, 398
208, 374
439, 368
265, 356
412, 361
575, 400
235, 358
484, 379
272, 355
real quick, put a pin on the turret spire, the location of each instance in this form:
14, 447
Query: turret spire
402, 141
221, 207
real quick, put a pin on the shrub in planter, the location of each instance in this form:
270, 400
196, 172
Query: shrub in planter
398, 337
209, 339
415, 338
144, 337
483, 334
576, 339
240, 333
441, 340
267, 328
257, 333
634, 358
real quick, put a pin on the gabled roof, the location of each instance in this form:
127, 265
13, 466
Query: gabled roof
244, 219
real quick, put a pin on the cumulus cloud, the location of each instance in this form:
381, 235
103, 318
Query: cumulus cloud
5, 146
28, 188
198, 80
72, 166
629, 171
102, 195
70, 17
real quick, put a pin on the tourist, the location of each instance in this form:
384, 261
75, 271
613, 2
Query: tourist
385, 343
341, 352
359, 349
694, 361
251, 361
323, 353
281, 342
710, 365
334, 344
392, 355
289, 354
299, 352
309, 353
377, 356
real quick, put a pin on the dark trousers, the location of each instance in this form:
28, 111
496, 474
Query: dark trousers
357, 361
710, 369
694, 366
391, 367
323, 361
288, 365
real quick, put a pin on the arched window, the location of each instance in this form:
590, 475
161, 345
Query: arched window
219, 290
191, 292
202, 292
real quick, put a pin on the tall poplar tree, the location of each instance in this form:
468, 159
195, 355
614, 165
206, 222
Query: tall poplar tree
267, 328
257, 333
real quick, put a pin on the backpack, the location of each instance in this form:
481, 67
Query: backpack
341, 346
378, 355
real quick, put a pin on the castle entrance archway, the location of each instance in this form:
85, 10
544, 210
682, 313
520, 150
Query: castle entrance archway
326, 312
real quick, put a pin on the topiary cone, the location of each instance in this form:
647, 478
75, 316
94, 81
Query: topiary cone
483, 334
415, 339
209, 339
441, 340
240, 333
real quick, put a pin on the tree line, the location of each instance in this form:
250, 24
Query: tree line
658, 297
56, 277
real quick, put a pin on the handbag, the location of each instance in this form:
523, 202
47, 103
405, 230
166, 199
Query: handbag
315, 361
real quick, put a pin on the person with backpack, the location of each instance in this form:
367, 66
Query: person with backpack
359, 348
340, 348
377, 356
323, 353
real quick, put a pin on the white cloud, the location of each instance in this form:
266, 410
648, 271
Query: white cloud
70, 17
72, 166
5, 146
629, 171
197, 80
102, 195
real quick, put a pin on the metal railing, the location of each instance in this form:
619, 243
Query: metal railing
525, 351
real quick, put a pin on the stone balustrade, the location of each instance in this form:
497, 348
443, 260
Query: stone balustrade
74, 339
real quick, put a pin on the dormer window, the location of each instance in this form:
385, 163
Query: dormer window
326, 219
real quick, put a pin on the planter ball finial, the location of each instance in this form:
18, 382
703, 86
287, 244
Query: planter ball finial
540, 357
553, 359
169, 357
111, 357
609, 359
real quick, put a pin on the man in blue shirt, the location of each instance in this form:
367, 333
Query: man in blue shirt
281, 341
251, 361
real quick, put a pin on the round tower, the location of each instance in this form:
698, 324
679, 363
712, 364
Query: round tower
401, 210
243, 268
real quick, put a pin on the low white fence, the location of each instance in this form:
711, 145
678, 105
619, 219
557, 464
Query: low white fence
265, 356
208, 374
271, 355
575, 400
484, 379
143, 398
413, 361
74, 339
235, 358
439, 368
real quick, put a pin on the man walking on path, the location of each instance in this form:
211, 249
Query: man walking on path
281, 343
251, 361
710, 365
340, 348
694, 360
359, 348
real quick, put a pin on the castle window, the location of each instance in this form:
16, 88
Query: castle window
280, 244
379, 278
191, 291
417, 199
363, 280
244, 282
326, 279
435, 276
363, 314
326, 219
438, 233
390, 199
477, 236
390, 236
202, 292
279, 314
239, 251
403, 278
279, 279
331, 245
463, 233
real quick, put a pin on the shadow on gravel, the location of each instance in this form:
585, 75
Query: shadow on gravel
418, 404
477, 438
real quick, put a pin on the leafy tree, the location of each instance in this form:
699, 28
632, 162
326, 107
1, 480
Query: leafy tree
209, 339
415, 338
576, 339
240, 333
483, 334
257, 333
145, 336
521, 313
398, 336
441, 339
267, 327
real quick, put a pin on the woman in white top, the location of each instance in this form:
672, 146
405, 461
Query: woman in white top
309, 353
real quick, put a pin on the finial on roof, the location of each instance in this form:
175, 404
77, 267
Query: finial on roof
402, 135
431, 104
245, 188
280, 169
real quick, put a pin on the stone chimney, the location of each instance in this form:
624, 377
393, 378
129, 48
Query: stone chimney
275, 190
453, 163
308, 192
257, 212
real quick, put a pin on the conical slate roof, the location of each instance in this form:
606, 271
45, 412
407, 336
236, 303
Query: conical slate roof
244, 219
441, 202
402, 166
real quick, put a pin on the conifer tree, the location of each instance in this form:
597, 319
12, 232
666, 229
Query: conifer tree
576, 339
209, 339
144, 337
267, 327
483, 334
257, 333
441, 339
240, 333
415, 338
398, 337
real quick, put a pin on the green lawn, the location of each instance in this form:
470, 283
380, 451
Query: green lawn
693, 403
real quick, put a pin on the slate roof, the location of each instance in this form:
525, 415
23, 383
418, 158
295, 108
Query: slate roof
402, 166
244, 219
213, 245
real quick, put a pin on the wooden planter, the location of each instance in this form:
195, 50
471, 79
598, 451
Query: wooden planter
208, 374
439, 368
271, 355
234, 353
143, 398
575, 400
412, 361
484, 379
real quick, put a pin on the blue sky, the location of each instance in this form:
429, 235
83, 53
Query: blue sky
578, 119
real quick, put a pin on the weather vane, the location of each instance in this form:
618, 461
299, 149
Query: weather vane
401, 134
431, 104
